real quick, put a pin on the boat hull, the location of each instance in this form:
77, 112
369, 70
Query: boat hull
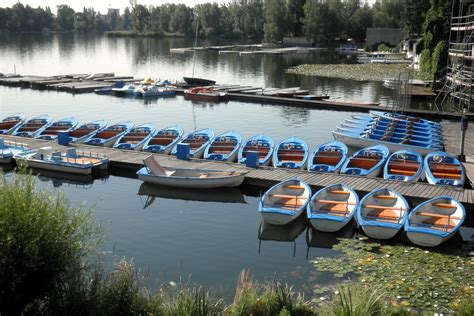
380, 232
326, 225
427, 240
279, 219
54, 167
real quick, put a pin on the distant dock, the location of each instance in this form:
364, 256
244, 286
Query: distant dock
122, 161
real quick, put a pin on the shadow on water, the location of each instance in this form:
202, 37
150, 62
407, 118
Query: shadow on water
222, 195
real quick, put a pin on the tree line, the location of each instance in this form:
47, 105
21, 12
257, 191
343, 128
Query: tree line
271, 20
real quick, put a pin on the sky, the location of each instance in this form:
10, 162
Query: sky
102, 5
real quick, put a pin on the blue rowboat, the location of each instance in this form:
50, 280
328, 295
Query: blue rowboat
136, 137
64, 125
328, 157
402, 117
164, 140
404, 165
33, 126
224, 147
332, 207
396, 137
382, 213
81, 133
394, 127
108, 136
284, 202
382, 129
155, 91
396, 122
366, 162
9, 124
108, 90
198, 141
362, 140
291, 153
442, 168
434, 221
262, 144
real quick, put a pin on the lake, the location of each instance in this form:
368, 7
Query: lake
178, 235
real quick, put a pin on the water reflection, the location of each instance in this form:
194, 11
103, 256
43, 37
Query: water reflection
223, 195
59, 179
281, 233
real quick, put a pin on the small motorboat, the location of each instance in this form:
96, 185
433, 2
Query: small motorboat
262, 144
284, 202
127, 89
332, 207
108, 90
224, 147
64, 125
382, 213
205, 94
33, 126
291, 153
366, 162
188, 178
198, 141
69, 162
328, 157
434, 221
442, 168
107, 137
81, 133
9, 124
136, 137
154, 91
404, 165
163, 141
10, 149
199, 81
291, 92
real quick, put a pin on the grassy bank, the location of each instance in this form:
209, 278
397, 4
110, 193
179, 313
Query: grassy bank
45, 268
359, 72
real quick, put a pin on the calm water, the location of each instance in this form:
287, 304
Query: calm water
180, 234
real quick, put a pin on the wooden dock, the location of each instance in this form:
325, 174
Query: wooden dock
264, 177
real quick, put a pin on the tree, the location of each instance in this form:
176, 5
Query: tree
319, 20
295, 16
413, 16
126, 19
359, 22
140, 16
65, 18
276, 20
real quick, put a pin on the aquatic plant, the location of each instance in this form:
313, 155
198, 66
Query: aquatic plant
359, 72
412, 276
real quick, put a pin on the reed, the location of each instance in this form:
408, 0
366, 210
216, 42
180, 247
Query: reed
466, 306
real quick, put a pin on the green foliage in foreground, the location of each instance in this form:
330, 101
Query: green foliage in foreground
359, 72
415, 277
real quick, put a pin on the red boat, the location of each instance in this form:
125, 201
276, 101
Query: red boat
205, 94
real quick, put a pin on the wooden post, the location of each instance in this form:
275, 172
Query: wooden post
464, 125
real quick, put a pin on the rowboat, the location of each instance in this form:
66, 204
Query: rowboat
332, 207
69, 162
163, 141
198, 141
199, 81
390, 120
10, 149
362, 140
394, 126
9, 124
442, 168
395, 131
224, 147
158, 91
127, 89
434, 221
109, 136
366, 162
284, 202
81, 133
136, 137
328, 157
108, 90
188, 178
64, 125
291, 92
262, 144
291, 153
204, 93
402, 117
382, 213
404, 165
33, 126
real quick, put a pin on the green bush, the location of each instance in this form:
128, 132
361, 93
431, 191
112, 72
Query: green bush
43, 241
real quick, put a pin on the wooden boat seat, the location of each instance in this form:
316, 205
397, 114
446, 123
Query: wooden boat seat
291, 186
222, 146
291, 154
130, 139
327, 160
283, 207
294, 202
443, 163
339, 192
334, 202
381, 207
385, 215
29, 129
8, 124
398, 171
438, 168
365, 163
437, 215
335, 210
439, 223
408, 166
257, 148
445, 205
284, 196
165, 137
446, 175
384, 197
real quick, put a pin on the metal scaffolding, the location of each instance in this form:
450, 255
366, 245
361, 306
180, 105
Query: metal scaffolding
456, 93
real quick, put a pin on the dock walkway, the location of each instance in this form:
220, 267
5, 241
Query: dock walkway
268, 176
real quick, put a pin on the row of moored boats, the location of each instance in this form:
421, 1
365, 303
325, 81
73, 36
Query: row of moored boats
382, 213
